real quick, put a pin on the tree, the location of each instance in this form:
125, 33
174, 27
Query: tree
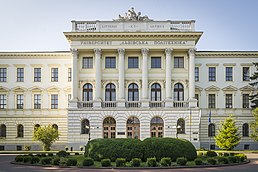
254, 125
228, 136
254, 96
47, 135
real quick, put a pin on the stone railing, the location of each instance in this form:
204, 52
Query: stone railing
133, 104
155, 104
85, 104
133, 26
109, 104
181, 104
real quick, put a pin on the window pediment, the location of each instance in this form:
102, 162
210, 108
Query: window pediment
246, 88
212, 88
67, 89
53, 89
197, 88
229, 88
36, 89
19, 89
4, 89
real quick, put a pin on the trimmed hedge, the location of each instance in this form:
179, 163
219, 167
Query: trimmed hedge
222, 160
120, 162
27, 159
198, 161
136, 162
211, 161
88, 162
166, 161
62, 153
55, 161
151, 162
181, 161
105, 163
127, 148
71, 162
211, 154
35, 160
46, 160
232, 159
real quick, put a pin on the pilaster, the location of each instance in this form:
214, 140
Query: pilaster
168, 101
97, 67
192, 100
121, 71
145, 52
74, 100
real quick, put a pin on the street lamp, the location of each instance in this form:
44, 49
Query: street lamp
177, 127
89, 127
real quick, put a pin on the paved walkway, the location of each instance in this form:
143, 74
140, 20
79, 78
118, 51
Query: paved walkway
6, 166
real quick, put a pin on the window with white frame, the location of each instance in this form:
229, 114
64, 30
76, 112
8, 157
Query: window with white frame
246, 73
2, 101
20, 100
54, 101
212, 73
211, 101
37, 74
87, 62
20, 74
229, 100
54, 74
229, 73
3, 74
178, 62
245, 101
37, 101
196, 74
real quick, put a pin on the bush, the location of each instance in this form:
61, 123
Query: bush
43, 155
242, 157
27, 147
76, 153
55, 161
71, 162
105, 163
63, 162
232, 159
211, 161
220, 153
88, 162
27, 159
50, 154
232, 154
181, 161
200, 154
120, 162
45, 160
151, 162
198, 161
166, 161
35, 160
19, 158
211, 154
226, 154
222, 160
30, 154
136, 162
127, 148
62, 153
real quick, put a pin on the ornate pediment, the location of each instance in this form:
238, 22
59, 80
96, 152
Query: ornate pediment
131, 15
212, 88
68, 89
246, 88
19, 89
229, 88
53, 89
4, 89
36, 89
197, 88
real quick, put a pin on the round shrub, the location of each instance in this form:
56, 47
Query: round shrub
62, 153
35, 160
211, 161
211, 154
88, 162
19, 158
50, 154
242, 157
166, 161
46, 160
55, 161
71, 162
120, 162
105, 163
27, 159
232, 159
222, 160
226, 154
181, 161
151, 162
43, 155
136, 162
198, 161
63, 162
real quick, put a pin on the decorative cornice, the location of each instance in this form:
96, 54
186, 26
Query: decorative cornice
145, 51
121, 51
74, 52
97, 51
35, 55
168, 51
192, 51
221, 54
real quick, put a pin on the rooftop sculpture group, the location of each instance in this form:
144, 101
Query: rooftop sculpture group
132, 16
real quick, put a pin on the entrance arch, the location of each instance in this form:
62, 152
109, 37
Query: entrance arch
109, 128
156, 127
133, 128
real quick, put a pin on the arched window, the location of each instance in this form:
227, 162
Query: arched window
55, 126
180, 126
87, 92
245, 130
133, 92
211, 130
110, 93
36, 126
155, 92
3, 131
109, 128
20, 130
156, 127
85, 126
133, 128
178, 92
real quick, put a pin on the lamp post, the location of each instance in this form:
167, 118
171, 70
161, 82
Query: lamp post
177, 127
89, 127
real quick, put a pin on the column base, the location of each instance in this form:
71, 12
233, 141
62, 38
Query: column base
97, 103
192, 103
169, 103
145, 103
121, 103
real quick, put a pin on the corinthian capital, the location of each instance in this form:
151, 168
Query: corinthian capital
168, 50
97, 51
192, 51
121, 51
74, 51
145, 51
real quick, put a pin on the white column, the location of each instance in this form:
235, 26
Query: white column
73, 102
192, 101
121, 79
145, 100
97, 67
168, 102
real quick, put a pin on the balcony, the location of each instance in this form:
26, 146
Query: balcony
133, 104
180, 104
156, 104
109, 104
85, 104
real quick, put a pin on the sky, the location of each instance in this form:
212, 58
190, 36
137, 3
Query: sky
38, 25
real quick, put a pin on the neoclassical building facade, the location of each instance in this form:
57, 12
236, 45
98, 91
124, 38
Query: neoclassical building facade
128, 78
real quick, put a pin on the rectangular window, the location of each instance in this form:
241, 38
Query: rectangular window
110, 62
2, 101
229, 73
211, 101
245, 100
87, 62
20, 101
155, 62
37, 74
133, 62
69, 74
196, 73
19, 148
3, 74
20, 74
229, 100
197, 98
37, 101
54, 101
212, 73
54, 74
178, 62
246, 73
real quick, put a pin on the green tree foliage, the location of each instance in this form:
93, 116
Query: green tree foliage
254, 83
228, 136
254, 125
47, 135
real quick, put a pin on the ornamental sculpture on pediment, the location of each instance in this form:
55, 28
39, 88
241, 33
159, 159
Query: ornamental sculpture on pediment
132, 16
